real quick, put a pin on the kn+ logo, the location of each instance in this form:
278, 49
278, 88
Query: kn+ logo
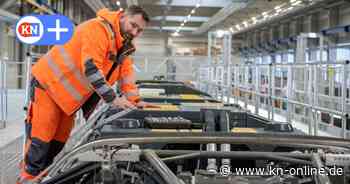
29, 29
44, 29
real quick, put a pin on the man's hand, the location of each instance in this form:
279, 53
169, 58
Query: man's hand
123, 103
142, 104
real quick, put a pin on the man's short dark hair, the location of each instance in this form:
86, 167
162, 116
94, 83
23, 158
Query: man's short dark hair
136, 10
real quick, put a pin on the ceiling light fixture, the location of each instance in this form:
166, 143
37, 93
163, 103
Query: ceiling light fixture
245, 23
220, 33
193, 11
296, 3
231, 29
276, 11
118, 3
254, 19
176, 34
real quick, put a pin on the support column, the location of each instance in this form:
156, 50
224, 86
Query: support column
296, 26
271, 34
2, 90
332, 21
256, 39
2, 33
170, 65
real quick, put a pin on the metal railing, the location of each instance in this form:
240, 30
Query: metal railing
10, 81
300, 92
179, 68
172, 68
3, 95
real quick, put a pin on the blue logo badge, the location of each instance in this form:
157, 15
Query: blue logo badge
44, 29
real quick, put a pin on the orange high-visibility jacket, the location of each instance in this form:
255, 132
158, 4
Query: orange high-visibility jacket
61, 70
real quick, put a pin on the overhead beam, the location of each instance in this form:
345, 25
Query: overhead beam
95, 4
165, 14
170, 28
284, 17
222, 15
132, 2
7, 4
204, 3
8, 16
40, 7
181, 18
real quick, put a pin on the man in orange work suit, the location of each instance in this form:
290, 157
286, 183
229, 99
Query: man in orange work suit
69, 75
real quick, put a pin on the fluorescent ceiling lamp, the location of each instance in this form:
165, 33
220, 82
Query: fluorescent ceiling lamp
181, 18
176, 34
220, 33
296, 3
245, 23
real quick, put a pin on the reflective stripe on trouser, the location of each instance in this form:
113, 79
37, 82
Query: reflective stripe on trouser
48, 128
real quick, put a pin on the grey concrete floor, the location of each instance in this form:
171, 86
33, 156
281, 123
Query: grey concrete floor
15, 117
11, 138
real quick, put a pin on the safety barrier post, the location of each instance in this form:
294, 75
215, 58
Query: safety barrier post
270, 103
246, 94
308, 92
273, 90
2, 95
256, 89
314, 98
28, 79
344, 99
229, 85
5, 90
236, 84
289, 93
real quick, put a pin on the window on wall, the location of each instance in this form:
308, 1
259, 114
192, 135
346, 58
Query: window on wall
307, 57
342, 54
324, 56
290, 58
266, 59
258, 60
287, 57
278, 58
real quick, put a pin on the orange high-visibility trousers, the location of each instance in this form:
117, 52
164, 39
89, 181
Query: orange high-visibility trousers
47, 130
